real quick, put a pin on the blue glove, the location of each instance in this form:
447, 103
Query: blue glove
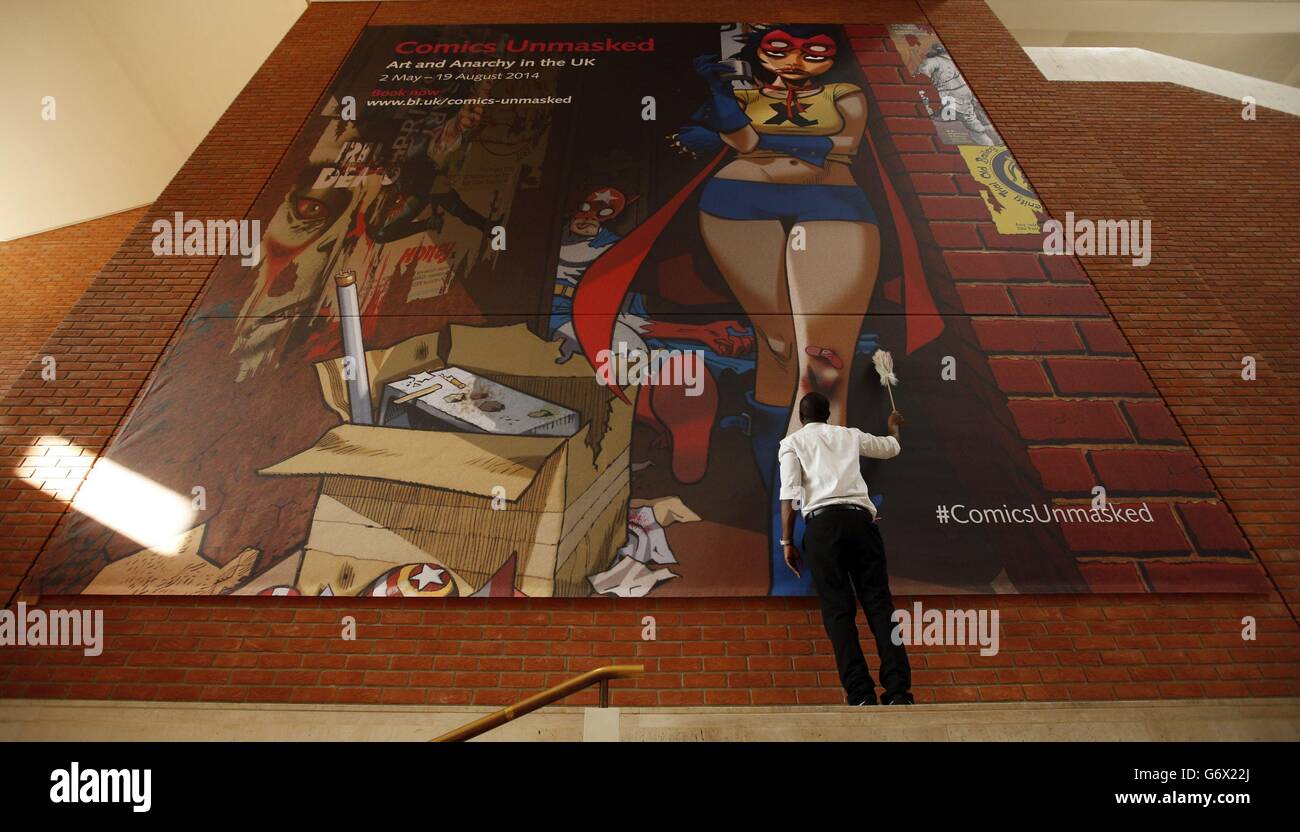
699, 140
703, 115
727, 117
868, 343
811, 149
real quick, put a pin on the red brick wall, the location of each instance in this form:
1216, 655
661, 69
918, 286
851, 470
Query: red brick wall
1084, 405
42, 276
1219, 287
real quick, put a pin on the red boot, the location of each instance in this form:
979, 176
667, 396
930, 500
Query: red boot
688, 420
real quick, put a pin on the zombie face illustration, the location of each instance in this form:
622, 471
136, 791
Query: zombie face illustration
288, 281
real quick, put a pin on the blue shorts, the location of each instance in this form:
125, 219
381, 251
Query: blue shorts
733, 199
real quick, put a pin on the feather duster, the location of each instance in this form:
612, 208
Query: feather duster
884, 363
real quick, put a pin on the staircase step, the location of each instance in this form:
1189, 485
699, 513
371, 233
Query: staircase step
1224, 719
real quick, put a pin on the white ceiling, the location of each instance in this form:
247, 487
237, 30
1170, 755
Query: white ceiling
136, 84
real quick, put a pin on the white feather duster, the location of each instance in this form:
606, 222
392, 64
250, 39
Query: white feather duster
884, 363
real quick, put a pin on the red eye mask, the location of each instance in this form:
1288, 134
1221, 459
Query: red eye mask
817, 46
601, 204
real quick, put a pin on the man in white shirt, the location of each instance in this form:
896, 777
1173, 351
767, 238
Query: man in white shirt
819, 464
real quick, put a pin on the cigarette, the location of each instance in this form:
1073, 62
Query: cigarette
415, 394
353, 348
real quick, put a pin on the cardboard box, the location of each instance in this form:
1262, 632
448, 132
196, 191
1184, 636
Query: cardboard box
467, 501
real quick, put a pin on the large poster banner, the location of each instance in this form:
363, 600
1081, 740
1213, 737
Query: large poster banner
532, 307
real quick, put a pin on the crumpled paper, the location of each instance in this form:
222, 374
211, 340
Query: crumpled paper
629, 578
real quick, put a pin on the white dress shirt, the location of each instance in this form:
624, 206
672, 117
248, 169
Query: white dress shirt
819, 463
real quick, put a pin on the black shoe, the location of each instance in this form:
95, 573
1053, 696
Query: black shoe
900, 699
870, 700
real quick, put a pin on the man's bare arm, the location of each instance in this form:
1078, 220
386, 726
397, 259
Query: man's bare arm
792, 557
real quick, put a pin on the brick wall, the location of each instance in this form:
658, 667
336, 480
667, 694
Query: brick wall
1222, 278
42, 276
1086, 408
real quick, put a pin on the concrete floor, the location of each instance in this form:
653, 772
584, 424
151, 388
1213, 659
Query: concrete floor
1233, 719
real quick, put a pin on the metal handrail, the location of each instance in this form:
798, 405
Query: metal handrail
601, 675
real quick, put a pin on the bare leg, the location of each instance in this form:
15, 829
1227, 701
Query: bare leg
751, 254
831, 283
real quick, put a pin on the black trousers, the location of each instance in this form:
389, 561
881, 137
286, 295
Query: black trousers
844, 550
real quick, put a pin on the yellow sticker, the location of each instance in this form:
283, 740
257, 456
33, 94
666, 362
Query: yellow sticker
1012, 204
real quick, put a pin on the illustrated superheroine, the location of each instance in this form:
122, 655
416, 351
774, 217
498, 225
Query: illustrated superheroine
787, 225
795, 137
